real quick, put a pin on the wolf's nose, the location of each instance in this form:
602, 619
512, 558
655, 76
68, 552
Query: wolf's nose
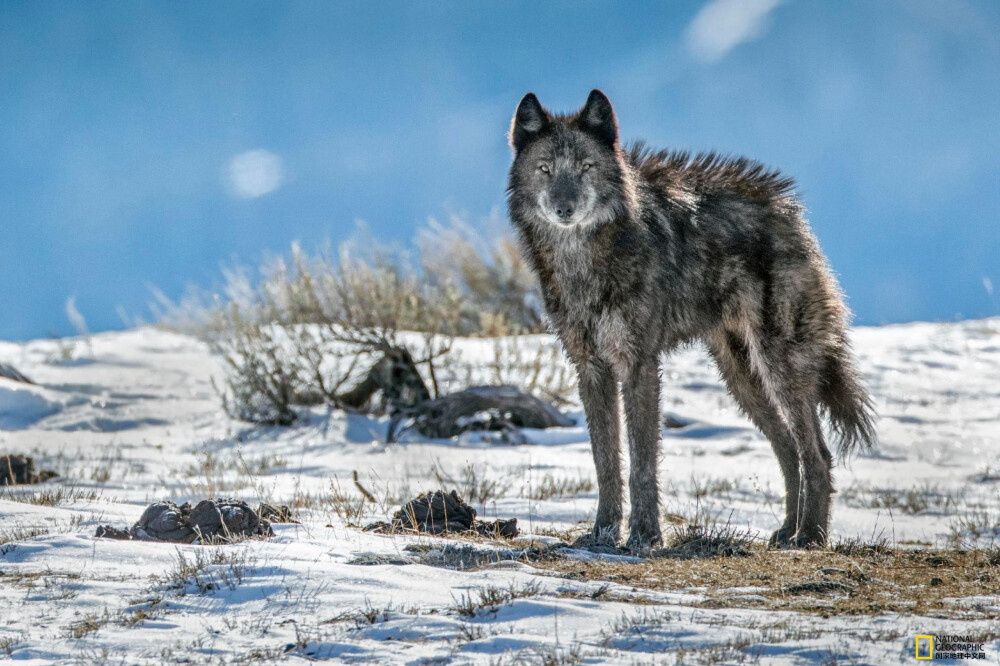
564, 210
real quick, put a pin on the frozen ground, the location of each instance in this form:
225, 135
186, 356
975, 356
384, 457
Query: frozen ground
128, 418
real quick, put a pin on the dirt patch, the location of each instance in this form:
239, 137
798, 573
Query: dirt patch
209, 521
826, 582
17, 469
440, 513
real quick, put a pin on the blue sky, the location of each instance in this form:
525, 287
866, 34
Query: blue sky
144, 144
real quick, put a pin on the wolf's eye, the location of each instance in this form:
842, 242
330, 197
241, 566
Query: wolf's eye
586, 166
544, 168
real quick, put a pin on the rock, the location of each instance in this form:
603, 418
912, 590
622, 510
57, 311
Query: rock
275, 514
227, 519
818, 587
440, 512
165, 521
506, 529
17, 469
436, 513
108, 532
212, 519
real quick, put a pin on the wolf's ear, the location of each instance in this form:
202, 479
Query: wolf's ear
598, 117
529, 119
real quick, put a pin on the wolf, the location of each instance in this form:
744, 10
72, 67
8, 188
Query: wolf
638, 252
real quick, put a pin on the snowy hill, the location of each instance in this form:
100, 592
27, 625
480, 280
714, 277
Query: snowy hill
132, 417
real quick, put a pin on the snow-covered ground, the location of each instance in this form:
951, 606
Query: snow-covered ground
129, 418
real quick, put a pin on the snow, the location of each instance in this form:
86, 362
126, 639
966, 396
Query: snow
21, 405
132, 417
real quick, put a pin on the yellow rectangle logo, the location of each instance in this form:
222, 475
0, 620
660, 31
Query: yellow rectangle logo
925, 647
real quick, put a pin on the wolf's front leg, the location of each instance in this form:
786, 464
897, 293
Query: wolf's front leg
641, 391
599, 393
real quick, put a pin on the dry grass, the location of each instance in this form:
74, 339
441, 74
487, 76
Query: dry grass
9, 536
552, 487
472, 483
976, 526
89, 624
711, 540
49, 495
925, 498
857, 580
489, 599
211, 568
7, 644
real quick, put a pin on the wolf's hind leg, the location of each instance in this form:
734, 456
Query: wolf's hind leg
815, 462
792, 374
599, 393
641, 393
731, 357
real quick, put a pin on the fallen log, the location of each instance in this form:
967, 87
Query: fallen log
494, 408
396, 376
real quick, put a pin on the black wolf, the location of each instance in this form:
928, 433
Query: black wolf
638, 252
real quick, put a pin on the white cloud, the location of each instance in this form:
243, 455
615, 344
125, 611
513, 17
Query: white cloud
254, 173
722, 25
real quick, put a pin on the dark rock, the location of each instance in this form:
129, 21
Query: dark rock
818, 587
440, 512
165, 521
506, 529
17, 469
379, 527
109, 532
227, 519
436, 512
214, 519
275, 514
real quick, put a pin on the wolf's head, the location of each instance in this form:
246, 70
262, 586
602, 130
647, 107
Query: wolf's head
568, 170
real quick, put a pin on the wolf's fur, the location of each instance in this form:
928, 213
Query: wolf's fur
640, 251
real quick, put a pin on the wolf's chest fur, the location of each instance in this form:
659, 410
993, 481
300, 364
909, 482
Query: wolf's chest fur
592, 316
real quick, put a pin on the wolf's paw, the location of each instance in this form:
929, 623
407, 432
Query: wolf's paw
788, 537
601, 539
808, 538
641, 541
782, 537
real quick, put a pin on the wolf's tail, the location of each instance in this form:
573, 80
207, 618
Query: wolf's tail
847, 402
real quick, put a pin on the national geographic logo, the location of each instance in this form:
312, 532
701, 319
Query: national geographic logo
949, 647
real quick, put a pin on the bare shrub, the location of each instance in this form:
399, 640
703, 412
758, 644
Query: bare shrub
308, 327
479, 284
318, 325
499, 292
540, 369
